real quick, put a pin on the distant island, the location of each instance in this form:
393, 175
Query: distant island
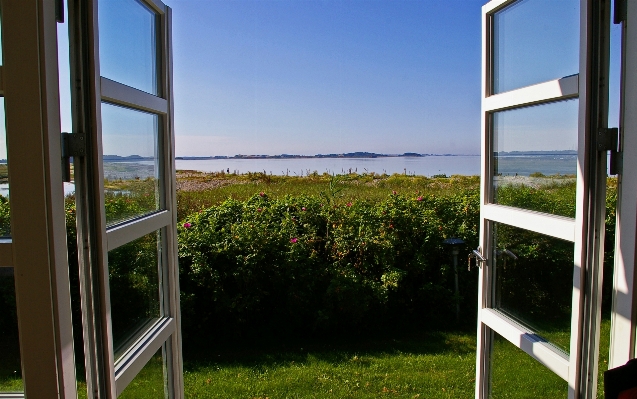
358, 154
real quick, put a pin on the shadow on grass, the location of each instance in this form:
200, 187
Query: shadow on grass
268, 353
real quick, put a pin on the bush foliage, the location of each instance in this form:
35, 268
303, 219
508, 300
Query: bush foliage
306, 264
314, 264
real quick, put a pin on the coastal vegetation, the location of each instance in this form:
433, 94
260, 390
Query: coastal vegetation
338, 286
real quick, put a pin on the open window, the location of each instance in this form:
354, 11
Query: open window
544, 99
125, 210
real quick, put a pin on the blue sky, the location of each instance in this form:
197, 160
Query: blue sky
308, 76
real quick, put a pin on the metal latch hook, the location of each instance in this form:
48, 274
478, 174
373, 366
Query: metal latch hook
477, 255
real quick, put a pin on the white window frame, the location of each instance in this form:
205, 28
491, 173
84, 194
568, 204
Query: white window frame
37, 247
579, 368
623, 343
105, 374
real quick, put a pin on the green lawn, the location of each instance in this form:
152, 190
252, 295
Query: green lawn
433, 365
430, 365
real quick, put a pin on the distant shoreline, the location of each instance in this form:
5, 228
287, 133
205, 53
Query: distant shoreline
348, 155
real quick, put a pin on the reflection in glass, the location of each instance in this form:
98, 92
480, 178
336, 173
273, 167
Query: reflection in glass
134, 280
535, 157
128, 43
131, 163
515, 374
10, 369
534, 281
150, 382
5, 220
535, 41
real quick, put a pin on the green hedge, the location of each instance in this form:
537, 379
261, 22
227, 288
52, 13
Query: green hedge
300, 263
303, 264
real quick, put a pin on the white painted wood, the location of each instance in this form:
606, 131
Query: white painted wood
6, 253
577, 368
108, 375
543, 223
38, 236
623, 318
120, 94
172, 306
137, 228
495, 5
140, 352
590, 199
554, 90
527, 340
484, 335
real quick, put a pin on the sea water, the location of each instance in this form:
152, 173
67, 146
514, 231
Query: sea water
423, 166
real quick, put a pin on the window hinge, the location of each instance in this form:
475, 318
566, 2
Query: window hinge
73, 145
608, 140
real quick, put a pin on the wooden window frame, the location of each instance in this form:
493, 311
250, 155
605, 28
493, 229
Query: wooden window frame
106, 374
579, 367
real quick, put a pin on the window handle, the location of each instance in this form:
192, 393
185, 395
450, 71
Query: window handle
477, 255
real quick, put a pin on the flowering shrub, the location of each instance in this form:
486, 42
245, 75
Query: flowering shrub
306, 263
295, 262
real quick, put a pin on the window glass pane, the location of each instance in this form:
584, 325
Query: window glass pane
150, 382
534, 281
134, 280
535, 157
5, 220
535, 41
10, 370
128, 43
131, 163
514, 374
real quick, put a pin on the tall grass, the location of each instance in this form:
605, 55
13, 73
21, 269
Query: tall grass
202, 190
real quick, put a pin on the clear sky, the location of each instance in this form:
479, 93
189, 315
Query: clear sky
331, 76
307, 77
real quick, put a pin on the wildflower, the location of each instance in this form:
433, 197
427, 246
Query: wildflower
349, 204
391, 226
261, 194
419, 198
303, 209
394, 192
294, 240
187, 225
259, 209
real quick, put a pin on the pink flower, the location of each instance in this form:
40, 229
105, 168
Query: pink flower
262, 194
349, 204
187, 225
394, 192
419, 198
303, 209
294, 240
259, 209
